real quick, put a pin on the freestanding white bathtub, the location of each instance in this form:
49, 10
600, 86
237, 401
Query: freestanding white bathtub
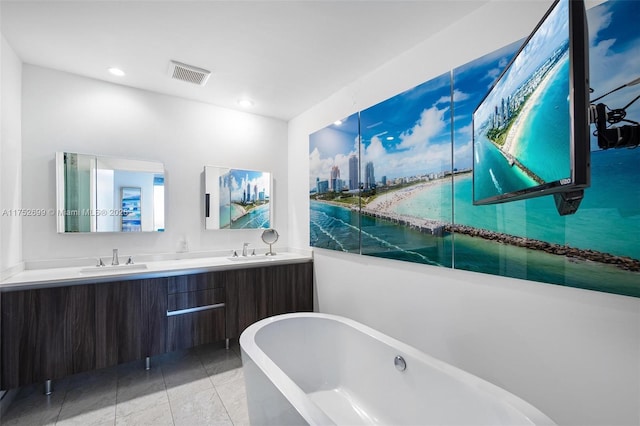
319, 369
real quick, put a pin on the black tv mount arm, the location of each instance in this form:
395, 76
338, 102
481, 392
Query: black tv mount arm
624, 136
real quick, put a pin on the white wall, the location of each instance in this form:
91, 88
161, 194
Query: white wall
66, 112
10, 158
575, 354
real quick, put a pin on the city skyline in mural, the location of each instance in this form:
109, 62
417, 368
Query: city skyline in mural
412, 197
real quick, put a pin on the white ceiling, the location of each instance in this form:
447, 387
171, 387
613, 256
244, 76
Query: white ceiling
285, 55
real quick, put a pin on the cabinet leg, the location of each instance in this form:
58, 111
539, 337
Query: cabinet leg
147, 363
226, 343
48, 387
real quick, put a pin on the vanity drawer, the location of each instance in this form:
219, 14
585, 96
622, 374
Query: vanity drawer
193, 299
195, 282
195, 328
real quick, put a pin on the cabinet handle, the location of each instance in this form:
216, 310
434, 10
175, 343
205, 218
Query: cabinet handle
196, 309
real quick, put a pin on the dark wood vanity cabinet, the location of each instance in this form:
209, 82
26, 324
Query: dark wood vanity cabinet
254, 294
47, 334
53, 332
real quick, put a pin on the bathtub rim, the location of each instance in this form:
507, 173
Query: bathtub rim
312, 413
297, 398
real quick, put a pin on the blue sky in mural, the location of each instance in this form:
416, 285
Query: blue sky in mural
409, 134
332, 146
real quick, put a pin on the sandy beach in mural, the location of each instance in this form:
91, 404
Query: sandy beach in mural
385, 203
385, 206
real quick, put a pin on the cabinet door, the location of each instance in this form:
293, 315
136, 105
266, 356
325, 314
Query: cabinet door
248, 299
292, 288
154, 311
120, 326
46, 334
80, 327
131, 320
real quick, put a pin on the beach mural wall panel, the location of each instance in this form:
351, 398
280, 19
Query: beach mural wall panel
406, 180
470, 84
596, 248
334, 176
429, 216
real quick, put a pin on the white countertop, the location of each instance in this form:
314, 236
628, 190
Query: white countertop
54, 277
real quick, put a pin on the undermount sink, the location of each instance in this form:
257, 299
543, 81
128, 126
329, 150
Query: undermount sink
112, 268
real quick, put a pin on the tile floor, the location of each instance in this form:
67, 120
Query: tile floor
200, 386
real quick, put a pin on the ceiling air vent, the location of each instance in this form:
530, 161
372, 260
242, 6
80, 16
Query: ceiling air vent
188, 73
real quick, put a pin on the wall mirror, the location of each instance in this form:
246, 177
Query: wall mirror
237, 198
108, 194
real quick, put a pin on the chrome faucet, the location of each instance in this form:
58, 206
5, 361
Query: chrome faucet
244, 249
114, 259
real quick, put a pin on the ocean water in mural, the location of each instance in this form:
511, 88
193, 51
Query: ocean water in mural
433, 220
535, 219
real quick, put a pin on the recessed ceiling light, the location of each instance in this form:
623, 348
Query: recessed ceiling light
337, 122
116, 71
245, 103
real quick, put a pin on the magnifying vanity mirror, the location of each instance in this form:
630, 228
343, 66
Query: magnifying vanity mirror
108, 194
237, 198
270, 236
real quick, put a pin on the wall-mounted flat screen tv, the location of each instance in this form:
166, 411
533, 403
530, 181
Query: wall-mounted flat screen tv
531, 130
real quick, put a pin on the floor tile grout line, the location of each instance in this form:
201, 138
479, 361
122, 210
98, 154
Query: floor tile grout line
164, 382
115, 417
215, 389
118, 391
115, 414
64, 398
